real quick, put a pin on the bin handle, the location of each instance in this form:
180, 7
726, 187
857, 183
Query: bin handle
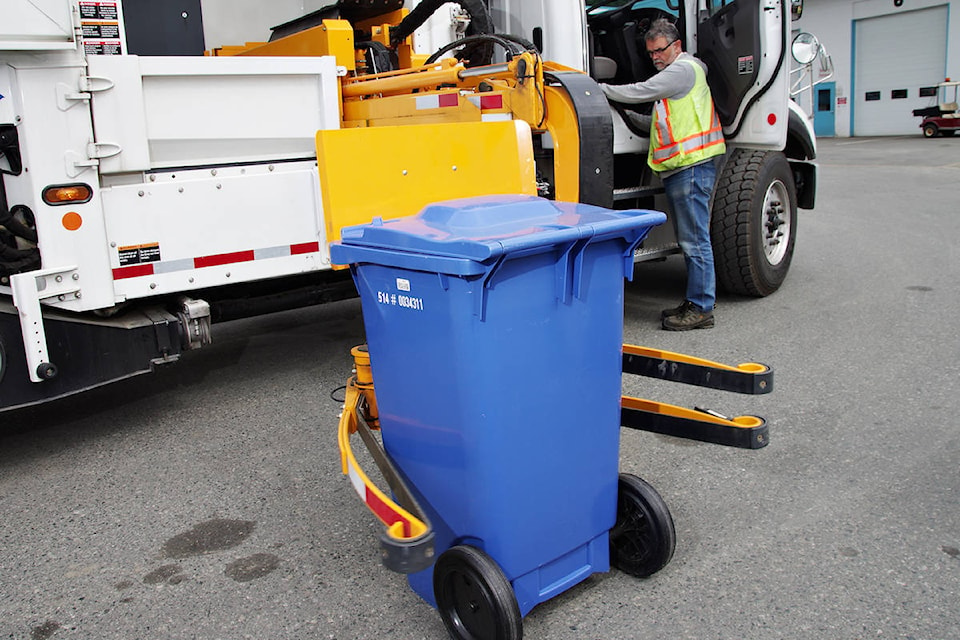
570, 271
408, 541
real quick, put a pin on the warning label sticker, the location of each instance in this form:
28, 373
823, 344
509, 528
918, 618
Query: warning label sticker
139, 253
101, 30
101, 26
745, 65
96, 10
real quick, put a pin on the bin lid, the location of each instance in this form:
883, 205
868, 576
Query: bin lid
486, 227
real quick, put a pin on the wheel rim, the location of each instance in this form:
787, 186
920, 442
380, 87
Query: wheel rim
776, 222
643, 540
471, 609
635, 538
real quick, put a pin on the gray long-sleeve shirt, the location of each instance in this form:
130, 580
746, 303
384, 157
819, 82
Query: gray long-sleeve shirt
674, 82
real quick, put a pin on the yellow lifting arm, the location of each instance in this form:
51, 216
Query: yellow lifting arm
407, 543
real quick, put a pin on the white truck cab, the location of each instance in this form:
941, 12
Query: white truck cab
768, 171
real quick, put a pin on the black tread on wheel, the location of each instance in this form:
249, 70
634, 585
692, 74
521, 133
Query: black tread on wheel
754, 222
643, 540
474, 598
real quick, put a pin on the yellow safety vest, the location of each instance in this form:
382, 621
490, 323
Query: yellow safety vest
687, 130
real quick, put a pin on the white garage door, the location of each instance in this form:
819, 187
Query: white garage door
897, 55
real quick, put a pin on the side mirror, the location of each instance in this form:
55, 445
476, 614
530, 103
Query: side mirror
796, 9
805, 48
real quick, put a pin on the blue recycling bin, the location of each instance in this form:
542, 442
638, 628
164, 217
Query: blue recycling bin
495, 327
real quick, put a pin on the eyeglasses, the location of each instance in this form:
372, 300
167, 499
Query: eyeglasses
656, 52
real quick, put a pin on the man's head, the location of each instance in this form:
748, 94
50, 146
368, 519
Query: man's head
663, 43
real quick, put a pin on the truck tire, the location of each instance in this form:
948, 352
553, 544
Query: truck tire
754, 222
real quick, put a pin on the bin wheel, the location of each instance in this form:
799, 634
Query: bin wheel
474, 598
643, 540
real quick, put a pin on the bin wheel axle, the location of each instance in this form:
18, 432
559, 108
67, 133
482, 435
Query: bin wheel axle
474, 598
643, 539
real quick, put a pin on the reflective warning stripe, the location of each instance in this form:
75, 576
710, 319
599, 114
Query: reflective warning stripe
133, 271
401, 524
223, 258
437, 101
670, 147
487, 102
169, 266
387, 512
491, 107
663, 126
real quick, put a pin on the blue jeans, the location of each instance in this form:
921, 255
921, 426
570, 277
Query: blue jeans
688, 194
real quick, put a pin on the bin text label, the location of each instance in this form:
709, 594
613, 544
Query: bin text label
407, 302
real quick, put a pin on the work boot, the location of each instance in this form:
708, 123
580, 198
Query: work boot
677, 310
690, 318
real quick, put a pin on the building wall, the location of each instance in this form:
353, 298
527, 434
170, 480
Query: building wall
833, 22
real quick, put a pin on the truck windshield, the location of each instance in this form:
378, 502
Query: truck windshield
601, 6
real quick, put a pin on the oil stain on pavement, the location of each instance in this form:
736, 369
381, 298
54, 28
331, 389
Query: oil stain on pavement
213, 535
218, 534
45, 630
169, 573
252, 567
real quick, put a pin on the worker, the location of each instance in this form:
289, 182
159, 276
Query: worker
685, 139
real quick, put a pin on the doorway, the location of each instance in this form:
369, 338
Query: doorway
824, 110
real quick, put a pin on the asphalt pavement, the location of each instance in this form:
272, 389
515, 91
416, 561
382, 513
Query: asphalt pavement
206, 500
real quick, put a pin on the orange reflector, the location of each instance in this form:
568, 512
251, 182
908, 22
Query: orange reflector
67, 194
71, 221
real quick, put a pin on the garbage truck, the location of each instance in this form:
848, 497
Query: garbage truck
144, 198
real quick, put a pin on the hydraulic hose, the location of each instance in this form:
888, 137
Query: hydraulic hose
480, 23
480, 19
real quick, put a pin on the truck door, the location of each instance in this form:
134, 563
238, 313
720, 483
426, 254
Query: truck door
743, 43
558, 27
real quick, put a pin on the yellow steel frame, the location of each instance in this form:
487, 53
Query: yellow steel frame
395, 171
360, 403
429, 162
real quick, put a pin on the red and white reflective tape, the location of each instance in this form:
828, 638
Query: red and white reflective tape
401, 524
437, 101
487, 102
170, 266
491, 107
385, 511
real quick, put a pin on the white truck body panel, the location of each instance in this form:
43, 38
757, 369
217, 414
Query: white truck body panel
207, 227
8, 113
37, 25
564, 39
193, 154
55, 132
183, 111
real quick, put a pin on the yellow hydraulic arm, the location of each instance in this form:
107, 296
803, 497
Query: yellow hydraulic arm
561, 106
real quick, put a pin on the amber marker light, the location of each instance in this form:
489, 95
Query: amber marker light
71, 221
67, 194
